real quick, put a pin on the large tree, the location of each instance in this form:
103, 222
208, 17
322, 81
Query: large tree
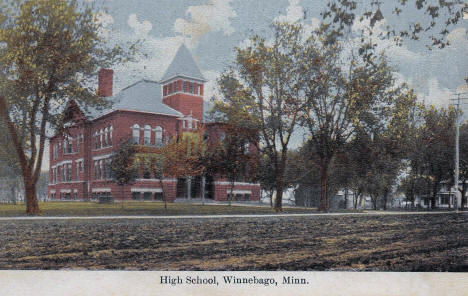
264, 87
50, 52
436, 147
464, 162
346, 89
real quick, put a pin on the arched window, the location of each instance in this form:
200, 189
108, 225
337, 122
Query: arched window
95, 139
147, 135
158, 136
136, 134
70, 144
101, 171
110, 135
106, 137
101, 144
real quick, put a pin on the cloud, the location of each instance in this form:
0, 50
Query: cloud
212, 17
211, 88
435, 94
139, 28
463, 88
458, 38
377, 34
106, 22
294, 12
156, 55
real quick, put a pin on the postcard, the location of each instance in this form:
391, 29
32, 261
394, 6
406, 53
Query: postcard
232, 147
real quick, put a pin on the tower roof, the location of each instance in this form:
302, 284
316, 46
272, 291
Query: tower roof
184, 65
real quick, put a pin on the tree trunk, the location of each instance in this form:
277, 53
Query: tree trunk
32, 206
435, 187
463, 192
346, 198
162, 193
271, 197
13, 194
202, 189
385, 199
279, 197
280, 183
323, 185
29, 176
374, 202
231, 194
355, 199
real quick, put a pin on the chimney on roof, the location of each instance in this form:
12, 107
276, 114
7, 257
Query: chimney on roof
105, 77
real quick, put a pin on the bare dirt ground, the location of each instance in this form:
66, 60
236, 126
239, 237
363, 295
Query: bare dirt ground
374, 243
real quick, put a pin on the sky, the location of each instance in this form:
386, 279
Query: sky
212, 29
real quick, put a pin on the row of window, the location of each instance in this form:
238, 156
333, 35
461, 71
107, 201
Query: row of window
147, 196
103, 138
70, 145
184, 86
147, 173
239, 196
66, 196
150, 136
63, 173
102, 169
189, 122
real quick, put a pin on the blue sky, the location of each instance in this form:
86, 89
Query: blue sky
211, 29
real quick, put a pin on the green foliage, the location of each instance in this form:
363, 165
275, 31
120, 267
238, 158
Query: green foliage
50, 53
434, 148
123, 165
438, 17
262, 92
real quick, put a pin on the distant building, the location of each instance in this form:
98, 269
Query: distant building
288, 198
149, 113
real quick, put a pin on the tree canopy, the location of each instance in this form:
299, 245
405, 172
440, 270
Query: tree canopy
51, 51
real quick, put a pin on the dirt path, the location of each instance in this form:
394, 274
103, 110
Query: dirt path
367, 213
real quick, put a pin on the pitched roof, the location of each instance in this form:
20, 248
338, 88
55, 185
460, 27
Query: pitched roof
142, 96
183, 64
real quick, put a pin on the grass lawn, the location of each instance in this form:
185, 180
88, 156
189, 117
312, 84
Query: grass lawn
137, 208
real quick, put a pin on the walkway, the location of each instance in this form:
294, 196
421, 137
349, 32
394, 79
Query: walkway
367, 213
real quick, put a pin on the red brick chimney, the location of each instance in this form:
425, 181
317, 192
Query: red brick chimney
106, 77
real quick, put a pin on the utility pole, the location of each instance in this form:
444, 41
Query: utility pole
456, 102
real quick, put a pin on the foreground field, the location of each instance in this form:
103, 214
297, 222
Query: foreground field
138, 208
417, 242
